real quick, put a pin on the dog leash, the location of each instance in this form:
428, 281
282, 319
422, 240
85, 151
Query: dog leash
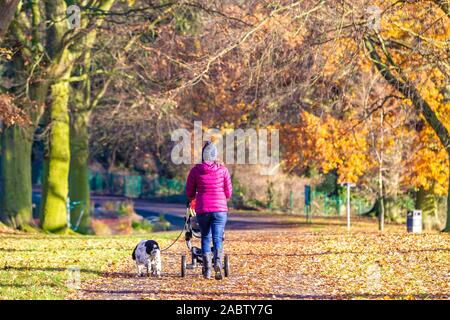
182, 230
175, 239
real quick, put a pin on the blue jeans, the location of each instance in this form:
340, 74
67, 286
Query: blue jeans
212, 225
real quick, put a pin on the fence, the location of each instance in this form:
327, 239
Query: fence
134, 186
137, 186
323, 204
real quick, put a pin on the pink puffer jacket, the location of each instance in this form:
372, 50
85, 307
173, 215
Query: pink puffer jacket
212, 183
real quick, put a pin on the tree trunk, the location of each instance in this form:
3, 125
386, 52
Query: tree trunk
381, 213
79, 173
408, 90
57, 159
56, 169
81, 106
15, 197
56, 174
447, 224
7, 10
15, 166
380, 174
426, 201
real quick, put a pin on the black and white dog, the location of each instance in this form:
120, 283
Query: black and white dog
147, 254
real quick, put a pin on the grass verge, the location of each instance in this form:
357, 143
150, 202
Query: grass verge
38, 266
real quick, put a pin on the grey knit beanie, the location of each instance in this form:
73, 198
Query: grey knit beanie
209, 152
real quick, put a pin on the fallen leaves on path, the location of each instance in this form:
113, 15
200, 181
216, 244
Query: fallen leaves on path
299, 263
291, 261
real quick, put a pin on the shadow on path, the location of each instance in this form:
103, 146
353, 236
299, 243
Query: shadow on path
263, 295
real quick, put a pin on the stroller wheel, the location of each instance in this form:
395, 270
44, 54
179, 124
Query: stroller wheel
183, 266
226, 265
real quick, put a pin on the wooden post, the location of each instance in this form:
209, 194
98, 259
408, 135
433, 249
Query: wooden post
349, 185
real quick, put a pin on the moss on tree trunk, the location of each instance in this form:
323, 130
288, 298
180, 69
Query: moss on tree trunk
426, 201
79, 173
56, 171
57, 164
15, 201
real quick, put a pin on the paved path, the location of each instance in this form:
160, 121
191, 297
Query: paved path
260, 248
247, 221
264, 265
281, 257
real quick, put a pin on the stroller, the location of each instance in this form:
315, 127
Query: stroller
192, 230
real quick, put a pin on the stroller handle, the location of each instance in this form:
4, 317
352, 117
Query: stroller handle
190, 203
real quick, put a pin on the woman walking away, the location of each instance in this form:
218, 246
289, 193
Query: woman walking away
210, 184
